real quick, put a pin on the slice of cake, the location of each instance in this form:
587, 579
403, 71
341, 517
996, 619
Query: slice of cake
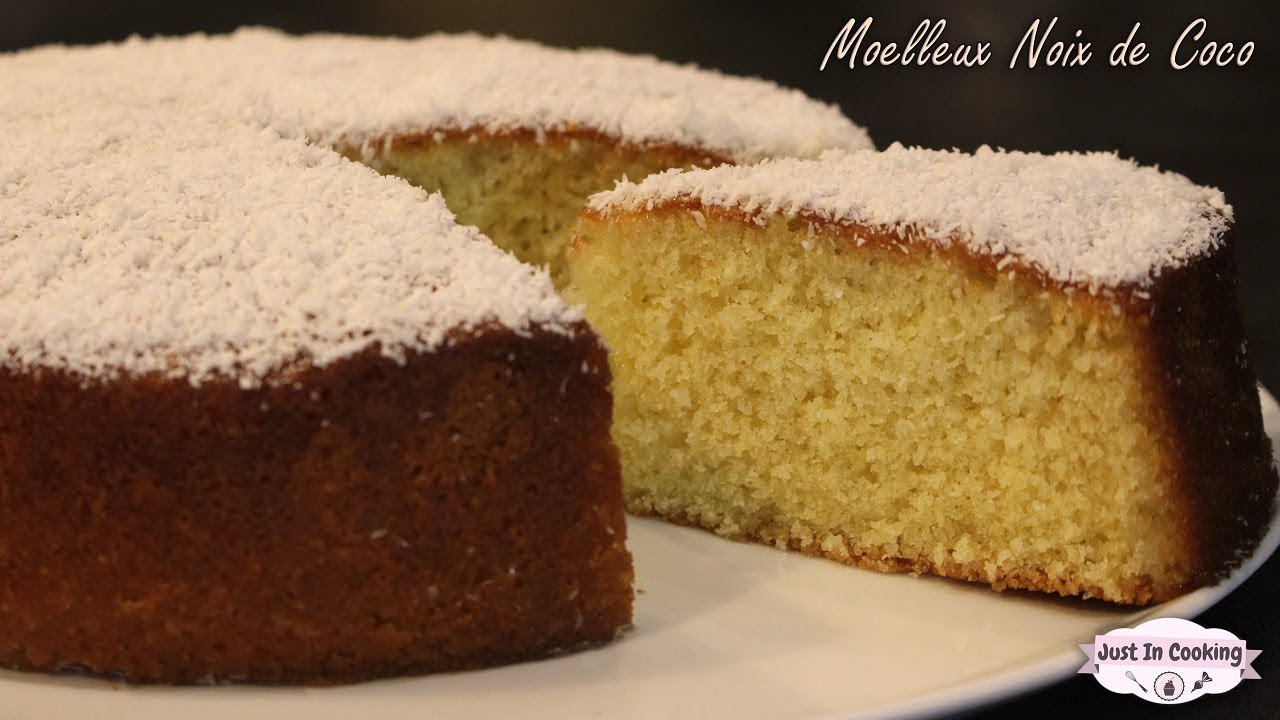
1015, 369
268, 416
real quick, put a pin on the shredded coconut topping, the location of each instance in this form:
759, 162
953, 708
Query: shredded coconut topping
169, 205
204, 248
355, 91
1091, 219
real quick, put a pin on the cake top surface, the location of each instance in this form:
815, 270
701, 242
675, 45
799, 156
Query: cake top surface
1090, 219
131, 244
356, 91
170, 205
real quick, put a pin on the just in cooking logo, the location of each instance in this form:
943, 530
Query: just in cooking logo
1169, 661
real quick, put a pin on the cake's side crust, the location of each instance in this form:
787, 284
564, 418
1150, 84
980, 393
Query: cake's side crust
358, 520
1201, 372
523, 188
1200, 396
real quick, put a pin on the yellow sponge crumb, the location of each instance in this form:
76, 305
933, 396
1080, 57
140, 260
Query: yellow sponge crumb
523, 190
902, 409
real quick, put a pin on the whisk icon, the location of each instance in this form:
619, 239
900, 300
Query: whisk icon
1129, 674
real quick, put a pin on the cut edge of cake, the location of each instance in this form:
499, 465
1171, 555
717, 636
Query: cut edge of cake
1189, 368
523, 187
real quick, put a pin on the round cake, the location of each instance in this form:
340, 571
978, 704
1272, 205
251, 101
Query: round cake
266, 415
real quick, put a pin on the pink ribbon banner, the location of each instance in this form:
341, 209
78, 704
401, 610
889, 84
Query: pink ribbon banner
1141, 651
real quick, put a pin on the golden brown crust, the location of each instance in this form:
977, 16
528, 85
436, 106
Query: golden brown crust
1201, 380
365, 519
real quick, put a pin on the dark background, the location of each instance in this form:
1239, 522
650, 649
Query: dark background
1217, 125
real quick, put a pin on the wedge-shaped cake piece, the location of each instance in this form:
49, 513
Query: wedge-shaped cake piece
1023, 370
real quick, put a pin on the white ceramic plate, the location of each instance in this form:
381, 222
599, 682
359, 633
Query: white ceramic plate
722, 630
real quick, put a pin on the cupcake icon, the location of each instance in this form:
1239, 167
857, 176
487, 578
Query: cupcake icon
1168, 686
